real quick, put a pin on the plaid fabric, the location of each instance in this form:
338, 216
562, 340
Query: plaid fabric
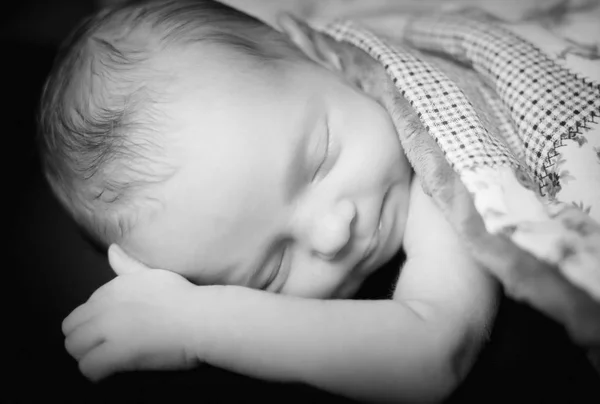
546, 102
506, 125
543, 101
443, 108
538, 104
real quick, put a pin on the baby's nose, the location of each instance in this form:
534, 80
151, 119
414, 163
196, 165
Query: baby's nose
332, 231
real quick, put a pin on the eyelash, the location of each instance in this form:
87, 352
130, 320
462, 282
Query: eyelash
274, 274
327, 162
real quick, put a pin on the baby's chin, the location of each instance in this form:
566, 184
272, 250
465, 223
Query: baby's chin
358, 277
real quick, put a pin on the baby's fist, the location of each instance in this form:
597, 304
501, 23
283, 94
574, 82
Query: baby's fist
145, 319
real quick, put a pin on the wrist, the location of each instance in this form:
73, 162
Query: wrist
205, 305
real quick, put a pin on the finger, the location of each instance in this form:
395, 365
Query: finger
122, 263
78, 317
83, 339
103, 361
299, 32
285, 19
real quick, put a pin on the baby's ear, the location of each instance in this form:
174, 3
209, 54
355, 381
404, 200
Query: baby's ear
316, 45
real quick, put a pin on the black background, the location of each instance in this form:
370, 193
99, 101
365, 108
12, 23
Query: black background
51, 269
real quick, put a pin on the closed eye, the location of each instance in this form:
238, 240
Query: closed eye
327, 161
275, 272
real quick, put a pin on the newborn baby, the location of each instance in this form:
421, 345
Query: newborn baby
214, 150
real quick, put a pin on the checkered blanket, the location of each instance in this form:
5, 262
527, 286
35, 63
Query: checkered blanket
511, 173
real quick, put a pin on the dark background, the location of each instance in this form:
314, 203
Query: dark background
51, 269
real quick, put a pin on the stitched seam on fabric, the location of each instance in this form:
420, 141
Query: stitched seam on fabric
439, 92
425, 33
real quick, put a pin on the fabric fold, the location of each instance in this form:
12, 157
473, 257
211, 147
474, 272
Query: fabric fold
508, 173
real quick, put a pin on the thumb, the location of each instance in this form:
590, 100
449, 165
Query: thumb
122, 263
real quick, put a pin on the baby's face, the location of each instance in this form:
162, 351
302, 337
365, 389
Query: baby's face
291, 181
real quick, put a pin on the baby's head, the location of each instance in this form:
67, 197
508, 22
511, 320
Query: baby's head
104, 133
207, 143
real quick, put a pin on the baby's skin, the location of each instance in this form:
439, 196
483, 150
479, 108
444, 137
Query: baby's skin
416, 346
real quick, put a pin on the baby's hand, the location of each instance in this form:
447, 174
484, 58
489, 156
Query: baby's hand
143, 319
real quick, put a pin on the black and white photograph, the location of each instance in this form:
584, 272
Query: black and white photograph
313, 201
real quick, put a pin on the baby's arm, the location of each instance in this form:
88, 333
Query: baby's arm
415, 347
